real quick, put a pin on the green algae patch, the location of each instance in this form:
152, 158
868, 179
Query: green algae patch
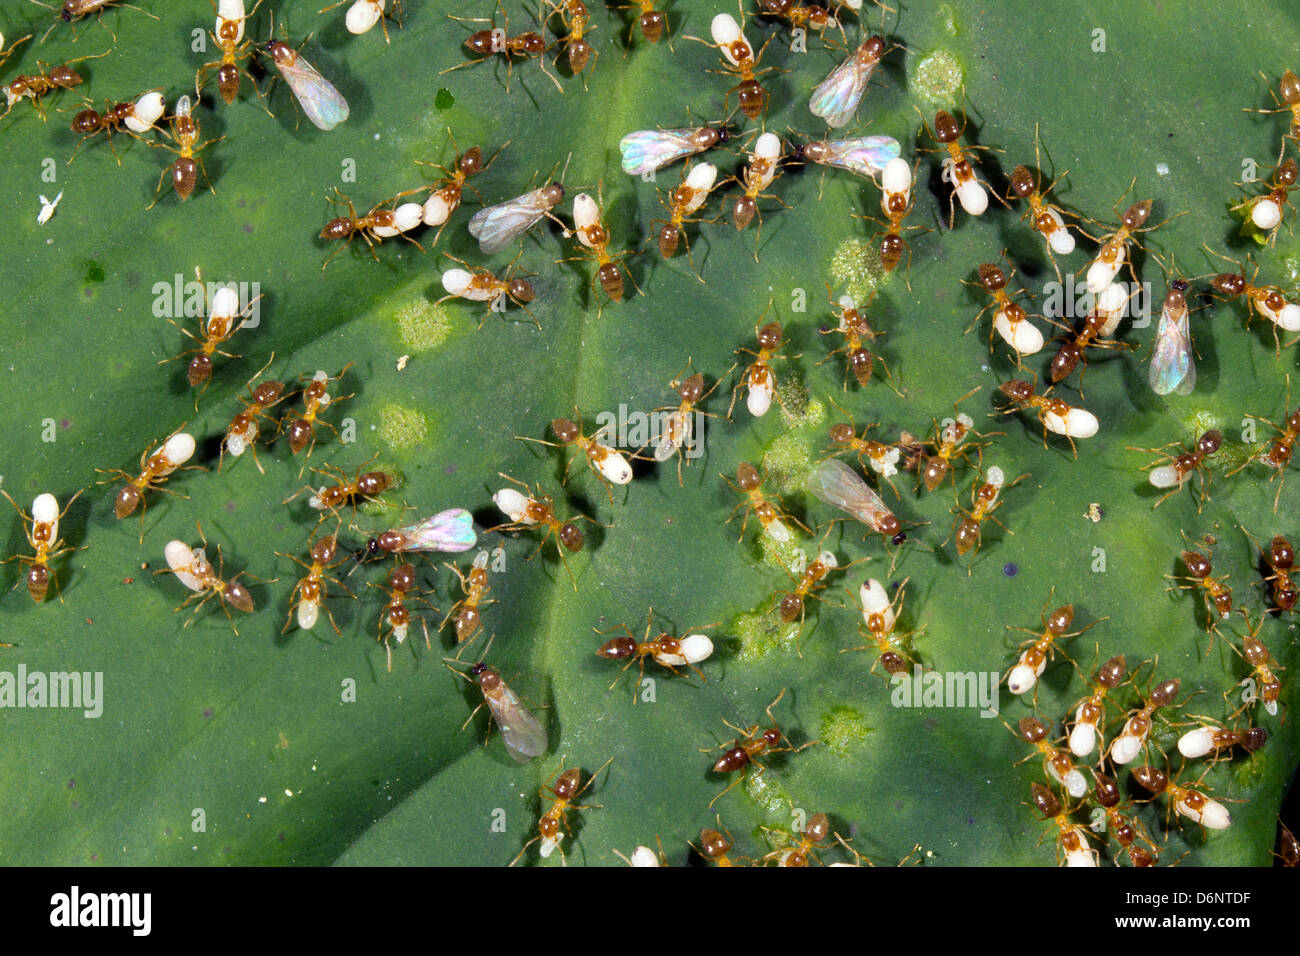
762, 633
763, 789
856, 266
402, 427
422, 325
786, 463
841, 728
937, 78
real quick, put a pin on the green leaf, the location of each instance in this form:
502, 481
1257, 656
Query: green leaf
300, 747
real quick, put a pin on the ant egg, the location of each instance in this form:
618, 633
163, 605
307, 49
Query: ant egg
1023, 677
45, 510
1110, 303
1196, 743
1102, 273
644, 856
694, 648
726, 31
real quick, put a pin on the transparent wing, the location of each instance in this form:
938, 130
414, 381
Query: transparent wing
837, 97
522, 733
451, 530
866, 155
841, 487
496, 226
1172, 368
649, 149
323, 104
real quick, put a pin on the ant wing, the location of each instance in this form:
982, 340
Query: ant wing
1172, 367
841, 487
522, 733
866, 155
649, 149
496, 226
451, 530
837, 97
323, 104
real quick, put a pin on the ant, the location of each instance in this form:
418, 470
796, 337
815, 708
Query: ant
1135, 736
697, 182
593, 235
563, 792
311, 590
1173, 471
41, 528
465, 612
766, 509
315, 399
243, 431
444, 197
1090, 712
1188, 801
666, 650
1056, 763
1127, 830
533, 509
677, 432
1036, 653
481, 285
155, 468
229, 32
880, 616
609, 465
375, 226
185, 168
1267, 299
750, 744
986, 498
1010, 320
882, 458
367, 486
1217, 594
1055, 414
192, 568
738, 59
498, 40
959, 168
759, 381
401, 585
1276, 453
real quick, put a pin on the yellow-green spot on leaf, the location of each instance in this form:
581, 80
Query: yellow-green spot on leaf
937, 78
856, 266
422, 325
1201, 421
786, 462
760, 634
948, 20
1290, 267
402, 427
842, 727
792, 392
765, 791
782, 555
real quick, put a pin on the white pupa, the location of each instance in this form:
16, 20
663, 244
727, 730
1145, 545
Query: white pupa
179, 556
363, 15
1076, 423
513, 505
148, 109
875, 600
1023, 335
178, 449
726, 31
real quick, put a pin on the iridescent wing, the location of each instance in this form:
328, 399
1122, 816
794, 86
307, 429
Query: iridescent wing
1172, 368
837, 97
866, 155
451, 530
649, 149
841, 487
323, 104
496, 226
521, 732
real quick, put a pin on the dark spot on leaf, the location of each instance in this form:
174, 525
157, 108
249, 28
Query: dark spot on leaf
449, 470
1011, 569
65, 424
94, 271
72, 784
248, 227
970, 821
444, 99
207, 712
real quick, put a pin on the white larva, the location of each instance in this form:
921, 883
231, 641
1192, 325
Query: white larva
896, 177
972, 197
701, 179
436, 210
513, 505
1083, 737
1111, 303
178, 449
1023, 336
147, 110
1213, 815
1266, 215
1077, 423
1102, 273
1196, 743
759, 399
875, 600
726, 31
1060, 239
694, 647
1023, 677
180, 557
363, 15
